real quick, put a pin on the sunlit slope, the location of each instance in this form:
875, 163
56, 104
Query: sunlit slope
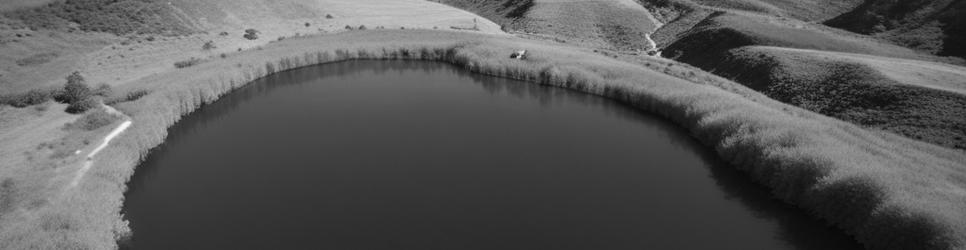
41, 49
268, 14
807, 10
610, 24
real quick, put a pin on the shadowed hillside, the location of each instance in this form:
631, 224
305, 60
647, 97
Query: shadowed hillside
508, 13
806, 10
937, 26
849, 76
919, 100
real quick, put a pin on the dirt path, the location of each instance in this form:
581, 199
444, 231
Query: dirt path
89, 160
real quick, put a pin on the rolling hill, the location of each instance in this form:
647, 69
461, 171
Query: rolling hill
607, 24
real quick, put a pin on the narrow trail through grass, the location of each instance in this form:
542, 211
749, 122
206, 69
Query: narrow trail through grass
89, 160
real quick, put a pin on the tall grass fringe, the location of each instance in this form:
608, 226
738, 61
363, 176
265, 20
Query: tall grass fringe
786, 161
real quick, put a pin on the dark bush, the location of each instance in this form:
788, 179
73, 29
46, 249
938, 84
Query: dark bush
29, 98
362, 27
328, 16
76, 88
209, 45
223, 33
348, 27
82, 106
308, 24
251, 34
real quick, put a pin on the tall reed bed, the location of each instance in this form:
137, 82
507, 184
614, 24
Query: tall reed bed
887, 191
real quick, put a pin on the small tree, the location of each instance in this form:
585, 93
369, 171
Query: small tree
362, 27
251, 34
328, 16
209, 45
76, 88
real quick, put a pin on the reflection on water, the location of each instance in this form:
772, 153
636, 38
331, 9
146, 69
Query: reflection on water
418, 155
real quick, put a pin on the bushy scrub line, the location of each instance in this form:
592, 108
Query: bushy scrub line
887, 191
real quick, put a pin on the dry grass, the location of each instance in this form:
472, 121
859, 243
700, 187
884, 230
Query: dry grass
887, 191
610, 24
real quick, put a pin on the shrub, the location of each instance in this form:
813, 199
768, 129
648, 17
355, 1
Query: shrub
251, 34
209, 45
129, 96
328, 16
76, 88
93, 120
29, 98
362, 27
103, 90
348, 27
36, 59
223, 33
187, 63
308, 24
82, 106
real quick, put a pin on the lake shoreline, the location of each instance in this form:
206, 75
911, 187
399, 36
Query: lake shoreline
874, 198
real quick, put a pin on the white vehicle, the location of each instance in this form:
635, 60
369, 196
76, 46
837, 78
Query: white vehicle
521, 54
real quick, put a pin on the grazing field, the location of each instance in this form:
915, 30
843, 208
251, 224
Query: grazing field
887, 191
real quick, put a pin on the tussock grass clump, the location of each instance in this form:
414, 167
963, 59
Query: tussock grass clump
127, 97
93, 120
887, 191
187, 63
37, 59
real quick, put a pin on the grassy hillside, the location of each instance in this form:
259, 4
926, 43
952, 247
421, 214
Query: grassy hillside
724, 31
41, 57
926, 102
937, 26
850, 77
608, 24
508, 13
806, 10
118, 17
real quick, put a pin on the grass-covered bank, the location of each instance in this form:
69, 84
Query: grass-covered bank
888, 191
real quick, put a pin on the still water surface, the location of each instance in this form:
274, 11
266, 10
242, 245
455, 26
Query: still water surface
420, 155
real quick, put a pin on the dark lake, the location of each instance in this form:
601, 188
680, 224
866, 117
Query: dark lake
421, 155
